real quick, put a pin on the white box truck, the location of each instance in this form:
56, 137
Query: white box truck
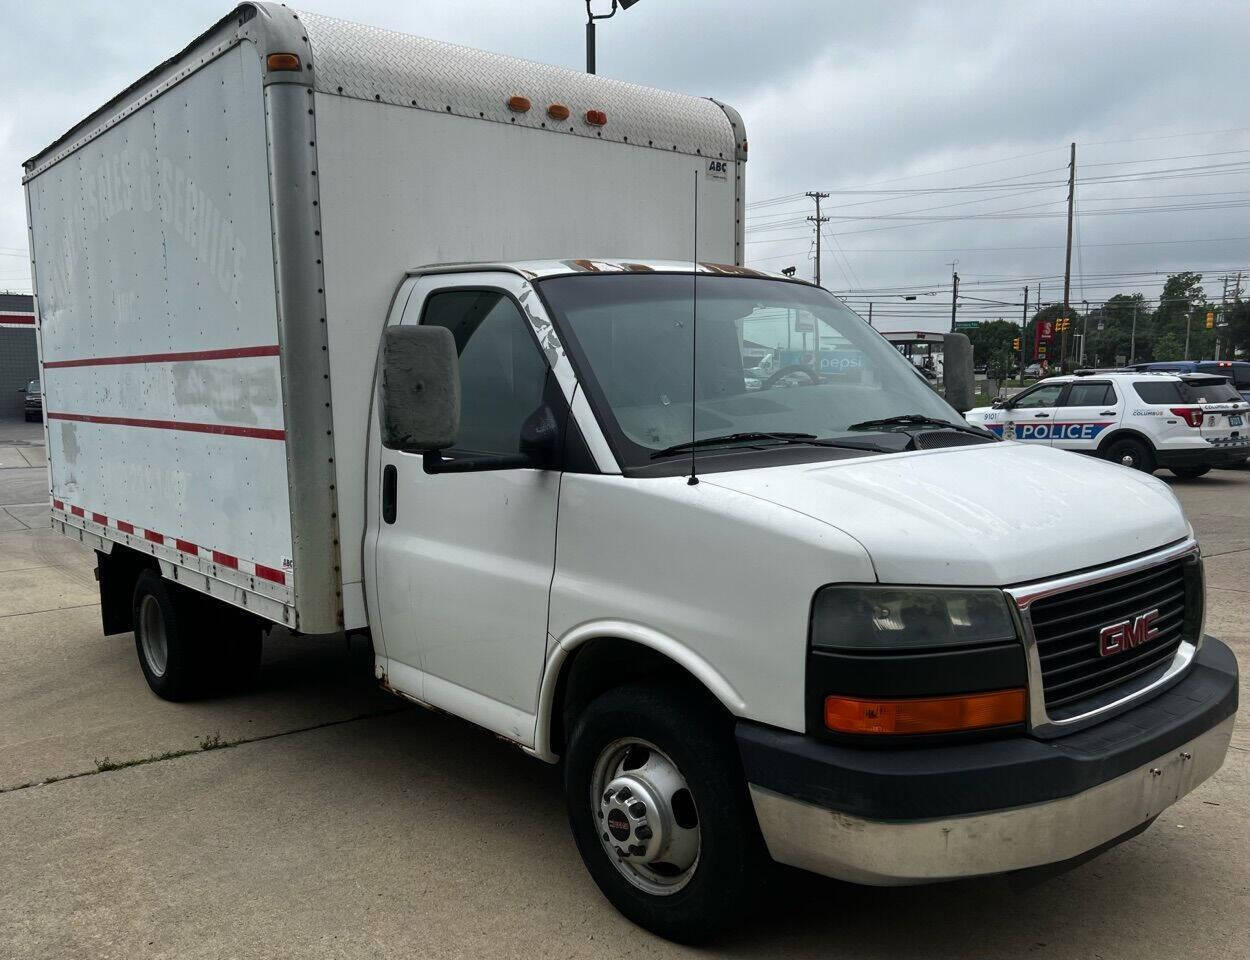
782, 613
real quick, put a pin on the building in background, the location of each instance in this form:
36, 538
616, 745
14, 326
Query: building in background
19, 356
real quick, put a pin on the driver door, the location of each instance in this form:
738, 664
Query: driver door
464, 558
1030, 415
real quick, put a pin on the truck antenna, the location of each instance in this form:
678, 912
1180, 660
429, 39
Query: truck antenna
694, 334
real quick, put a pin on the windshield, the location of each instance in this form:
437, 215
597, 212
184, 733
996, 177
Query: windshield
773, 357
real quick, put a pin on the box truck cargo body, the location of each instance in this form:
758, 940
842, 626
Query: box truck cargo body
344, 329
215, 250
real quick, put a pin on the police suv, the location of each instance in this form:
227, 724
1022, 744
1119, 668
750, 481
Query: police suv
1188, 423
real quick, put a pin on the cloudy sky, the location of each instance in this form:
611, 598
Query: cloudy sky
896, 108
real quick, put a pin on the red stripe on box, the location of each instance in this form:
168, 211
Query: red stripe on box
269, 573
100, 518
186, 546
259, 433
26, 319
125, 527
59, 504
225, 560
78, 511
232, 353
153, 536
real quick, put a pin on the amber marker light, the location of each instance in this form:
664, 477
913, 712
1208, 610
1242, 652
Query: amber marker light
519, 104
558, 111
596, 118
282, 61
974, 711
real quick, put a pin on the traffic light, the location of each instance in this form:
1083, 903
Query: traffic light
1210, 319
1015, 344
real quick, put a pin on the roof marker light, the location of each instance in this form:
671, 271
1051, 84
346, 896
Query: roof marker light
596, 118
558, 111
282, 61
519, 104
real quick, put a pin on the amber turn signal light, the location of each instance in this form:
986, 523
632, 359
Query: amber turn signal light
974, 711
558, 111
282, 61
519, 104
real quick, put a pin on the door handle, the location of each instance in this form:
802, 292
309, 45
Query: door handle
1041, 416
390, 494
1106, 413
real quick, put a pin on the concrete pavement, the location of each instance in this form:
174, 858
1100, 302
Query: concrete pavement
345, 823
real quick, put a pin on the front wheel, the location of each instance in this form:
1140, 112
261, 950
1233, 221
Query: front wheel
660, 813
1189, 473
1132, 454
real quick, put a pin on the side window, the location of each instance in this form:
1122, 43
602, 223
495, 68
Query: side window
1158, 392
502, 372
1090, 395
1046, 396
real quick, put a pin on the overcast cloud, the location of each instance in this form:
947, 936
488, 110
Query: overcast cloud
835, 96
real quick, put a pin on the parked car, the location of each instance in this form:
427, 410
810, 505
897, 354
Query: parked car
1033, 370
824, 621
1238, 371
1187, 423
33, 403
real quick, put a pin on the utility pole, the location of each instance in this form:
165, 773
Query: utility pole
1024, 326
1189, 316
870, 313
954, 293
1067, 260
817, 220
1132, 342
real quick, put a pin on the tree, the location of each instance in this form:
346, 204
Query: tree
1168, 347
991, 343
1237, 334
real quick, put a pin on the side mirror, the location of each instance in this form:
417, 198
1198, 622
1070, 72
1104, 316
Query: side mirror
540, 437
998, 403
419, 389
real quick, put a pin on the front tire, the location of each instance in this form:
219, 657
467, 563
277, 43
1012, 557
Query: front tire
1190, 473
659, 809
1131, 453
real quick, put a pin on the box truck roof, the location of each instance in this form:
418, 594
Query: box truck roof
367, 63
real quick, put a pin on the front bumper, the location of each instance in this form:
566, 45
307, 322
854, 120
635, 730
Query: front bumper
886, 817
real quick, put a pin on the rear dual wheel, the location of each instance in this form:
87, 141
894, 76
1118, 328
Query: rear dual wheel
660, 812
189, 645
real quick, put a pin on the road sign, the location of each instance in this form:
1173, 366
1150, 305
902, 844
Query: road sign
966, 325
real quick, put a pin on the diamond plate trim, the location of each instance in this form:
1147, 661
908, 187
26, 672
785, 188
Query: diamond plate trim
368, 63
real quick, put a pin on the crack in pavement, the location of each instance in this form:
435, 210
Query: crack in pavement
208, 744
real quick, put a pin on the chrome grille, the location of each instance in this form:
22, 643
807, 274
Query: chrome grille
1067, 625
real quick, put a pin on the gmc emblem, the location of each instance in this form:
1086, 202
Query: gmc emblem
1118, 637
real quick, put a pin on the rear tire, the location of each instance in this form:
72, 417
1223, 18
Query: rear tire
1189, 473
691, 854
168, 638
1131, 453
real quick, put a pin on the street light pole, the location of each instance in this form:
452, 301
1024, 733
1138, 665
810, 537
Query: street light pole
591, 17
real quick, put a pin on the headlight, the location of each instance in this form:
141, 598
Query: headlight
883, 618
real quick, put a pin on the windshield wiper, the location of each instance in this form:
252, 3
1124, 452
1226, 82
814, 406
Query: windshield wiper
802, 439
732, 438
918, 420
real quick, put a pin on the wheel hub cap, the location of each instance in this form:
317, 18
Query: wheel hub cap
646, 816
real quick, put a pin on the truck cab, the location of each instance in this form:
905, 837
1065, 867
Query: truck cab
797, 622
